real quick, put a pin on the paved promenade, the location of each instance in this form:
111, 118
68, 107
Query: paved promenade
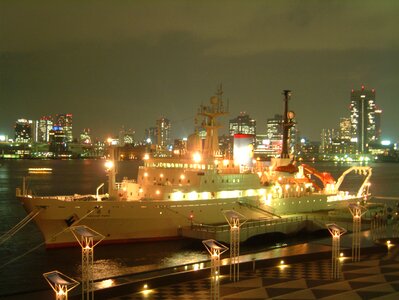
306, 274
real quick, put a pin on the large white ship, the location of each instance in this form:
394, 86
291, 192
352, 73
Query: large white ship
193, 187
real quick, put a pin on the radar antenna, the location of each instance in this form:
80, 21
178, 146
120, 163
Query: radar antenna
211, 113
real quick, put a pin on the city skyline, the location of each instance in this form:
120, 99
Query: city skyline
129, 63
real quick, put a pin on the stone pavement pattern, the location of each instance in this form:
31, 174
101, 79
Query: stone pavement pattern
374, 277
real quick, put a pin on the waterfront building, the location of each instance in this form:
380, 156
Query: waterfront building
164, 127
329, 139
274, 128
345, 129
23, 131
242, 124
180, 146
85, 137
363, 119
159, 137
126, 136
378, 113
65, 122
271, 142
58, 141
42, 129
151, 135
308, 150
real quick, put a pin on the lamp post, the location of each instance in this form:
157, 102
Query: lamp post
336, 232
235, 220
215, 249
87, 239
357, 212
60, 283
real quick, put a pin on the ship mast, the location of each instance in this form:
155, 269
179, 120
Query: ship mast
211, 113
287, 123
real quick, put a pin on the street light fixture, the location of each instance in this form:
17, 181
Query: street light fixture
215, 249
336, 232
60, 283
87, 239
235, 220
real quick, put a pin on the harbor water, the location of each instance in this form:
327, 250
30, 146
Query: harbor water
21, 268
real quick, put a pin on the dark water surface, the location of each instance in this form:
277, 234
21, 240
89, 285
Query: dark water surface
83, 177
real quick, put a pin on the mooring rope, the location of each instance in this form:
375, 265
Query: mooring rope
20, 225
52, 237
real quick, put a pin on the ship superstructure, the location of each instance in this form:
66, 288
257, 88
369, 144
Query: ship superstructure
170, 193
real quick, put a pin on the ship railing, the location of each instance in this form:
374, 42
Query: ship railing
248, 224
69, 198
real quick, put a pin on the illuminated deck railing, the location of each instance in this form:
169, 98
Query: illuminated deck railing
248, 224
318, 219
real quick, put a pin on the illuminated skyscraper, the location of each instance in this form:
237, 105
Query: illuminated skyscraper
329, 137
363, 121
151, 135
23, 131
378, 113
163, 133
345, 129
85, 136
42, 129
243, 124
58, 141
65, 122
274, 128
126, 136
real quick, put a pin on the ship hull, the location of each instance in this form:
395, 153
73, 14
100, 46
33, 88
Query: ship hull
129, 221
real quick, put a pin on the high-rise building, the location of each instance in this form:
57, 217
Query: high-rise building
65, 121
345, 129
151, 135
23, 131
329, 140
378, 113
42, 129
243, 124
163, 132
126, 136
58, 141
363, 121
274, 128
85, 137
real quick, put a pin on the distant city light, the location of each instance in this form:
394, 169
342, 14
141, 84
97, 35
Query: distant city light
386, 142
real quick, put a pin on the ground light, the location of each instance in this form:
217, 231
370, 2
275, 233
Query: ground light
60, 283
215, 249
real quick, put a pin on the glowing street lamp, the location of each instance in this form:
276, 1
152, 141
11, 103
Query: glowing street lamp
336, 232
235, 221
87, 239
60, 283
215, 249
357, 212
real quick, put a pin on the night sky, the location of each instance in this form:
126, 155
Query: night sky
127, 63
